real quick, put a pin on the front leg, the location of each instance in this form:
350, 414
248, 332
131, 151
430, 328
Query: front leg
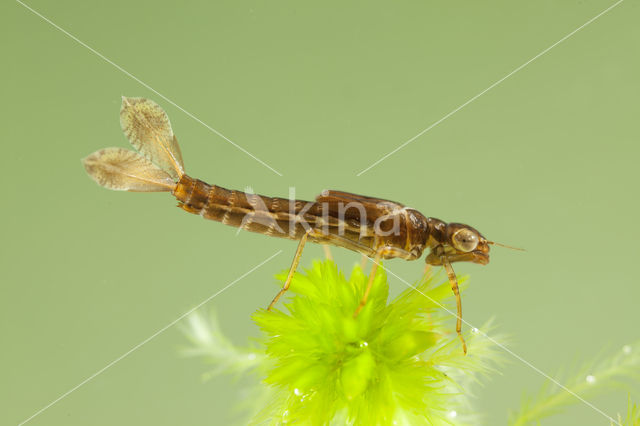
456, 291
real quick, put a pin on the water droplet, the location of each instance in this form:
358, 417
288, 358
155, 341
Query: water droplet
474, 330
453, 414
364, 344
297, 392
285, 416
626, 349
591, 379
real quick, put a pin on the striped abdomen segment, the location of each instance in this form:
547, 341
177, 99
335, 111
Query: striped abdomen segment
278, 217
339, 221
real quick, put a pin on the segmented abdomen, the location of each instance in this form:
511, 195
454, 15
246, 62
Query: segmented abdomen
266, 215
281, 217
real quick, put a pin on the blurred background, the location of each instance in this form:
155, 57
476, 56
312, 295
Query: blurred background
547, 160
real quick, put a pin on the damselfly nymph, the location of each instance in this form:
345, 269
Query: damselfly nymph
377, 228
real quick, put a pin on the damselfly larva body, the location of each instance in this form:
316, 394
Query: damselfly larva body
379, 229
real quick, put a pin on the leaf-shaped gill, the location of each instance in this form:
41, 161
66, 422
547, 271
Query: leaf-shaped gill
147, 127
124, 170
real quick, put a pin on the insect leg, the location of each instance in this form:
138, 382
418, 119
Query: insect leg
292, 270
363, 262
372, 275
454, 286
327, 251
426, 274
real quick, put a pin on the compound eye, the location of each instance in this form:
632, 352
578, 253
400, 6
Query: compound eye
465, 240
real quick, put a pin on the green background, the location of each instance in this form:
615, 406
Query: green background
546, 160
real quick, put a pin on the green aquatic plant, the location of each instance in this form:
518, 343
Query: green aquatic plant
633, 415
397, 362
620, 369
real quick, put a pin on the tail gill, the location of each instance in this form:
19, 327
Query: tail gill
156, 167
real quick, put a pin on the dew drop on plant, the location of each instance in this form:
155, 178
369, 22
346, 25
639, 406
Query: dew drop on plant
591, 379
297, 392
474, 330
626, 349
453, 414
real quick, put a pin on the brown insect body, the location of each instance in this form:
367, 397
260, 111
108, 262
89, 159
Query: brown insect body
380, 229
327, 216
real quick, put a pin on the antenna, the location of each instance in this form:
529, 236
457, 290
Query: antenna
505, 246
